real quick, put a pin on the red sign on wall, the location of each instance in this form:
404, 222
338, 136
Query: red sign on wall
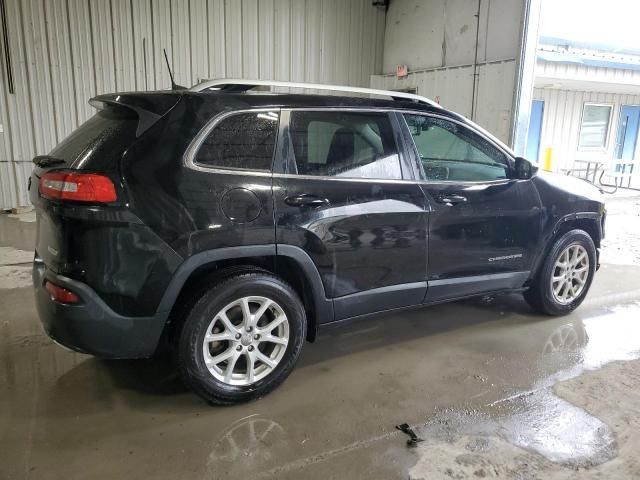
402, 71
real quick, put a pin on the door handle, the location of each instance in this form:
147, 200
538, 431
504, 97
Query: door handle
452, 199
306, 200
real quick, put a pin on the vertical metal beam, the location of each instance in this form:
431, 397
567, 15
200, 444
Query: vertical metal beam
525, 76
5, 43
475, 63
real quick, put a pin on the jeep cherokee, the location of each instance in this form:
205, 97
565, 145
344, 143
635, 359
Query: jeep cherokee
230, 225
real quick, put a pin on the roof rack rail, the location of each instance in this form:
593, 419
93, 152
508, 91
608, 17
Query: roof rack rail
242, 85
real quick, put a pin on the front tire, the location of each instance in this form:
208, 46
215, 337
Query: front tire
242, 338
566, 275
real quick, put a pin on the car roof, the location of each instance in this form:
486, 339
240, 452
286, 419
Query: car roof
296, 100
296, 94
220, 100
245, 85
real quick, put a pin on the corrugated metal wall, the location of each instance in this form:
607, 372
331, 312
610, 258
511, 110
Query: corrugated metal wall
439, 40
66, 51
549, 71
561, 123
452, 87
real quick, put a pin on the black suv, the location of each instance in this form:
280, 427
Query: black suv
231, 225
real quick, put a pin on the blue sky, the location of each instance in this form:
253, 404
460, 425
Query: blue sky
612, 22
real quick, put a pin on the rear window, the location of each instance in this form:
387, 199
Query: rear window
241, 141
100, 141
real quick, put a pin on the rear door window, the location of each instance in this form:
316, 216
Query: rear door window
344, 144
242, 141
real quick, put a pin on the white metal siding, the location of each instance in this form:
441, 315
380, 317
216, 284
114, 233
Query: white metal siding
617, 80
561, 123
436, 39
440, 33
66, 51
451, 87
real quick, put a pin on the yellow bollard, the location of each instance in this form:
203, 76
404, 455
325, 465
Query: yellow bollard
548, 159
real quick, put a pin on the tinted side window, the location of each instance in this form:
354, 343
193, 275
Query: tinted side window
451, 152
344, 144
244, 141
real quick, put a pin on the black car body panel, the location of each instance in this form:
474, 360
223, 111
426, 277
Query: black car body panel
566, 201
366, 246
92, 326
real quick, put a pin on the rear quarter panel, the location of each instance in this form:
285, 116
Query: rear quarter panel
183, 205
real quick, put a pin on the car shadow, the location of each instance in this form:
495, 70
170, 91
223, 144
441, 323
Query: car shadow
159, 378
400, 326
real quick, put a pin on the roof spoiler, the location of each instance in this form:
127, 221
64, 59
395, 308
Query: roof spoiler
150, 107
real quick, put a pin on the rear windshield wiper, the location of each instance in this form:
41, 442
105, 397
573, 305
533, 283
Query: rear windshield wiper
44, 161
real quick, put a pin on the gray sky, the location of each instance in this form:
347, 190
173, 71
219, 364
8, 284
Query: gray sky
614, 22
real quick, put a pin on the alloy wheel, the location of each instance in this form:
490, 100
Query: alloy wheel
570, 274
246, 340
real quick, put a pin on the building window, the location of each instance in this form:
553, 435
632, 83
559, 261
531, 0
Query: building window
594, 129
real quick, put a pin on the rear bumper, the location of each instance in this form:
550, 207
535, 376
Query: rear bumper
92, 326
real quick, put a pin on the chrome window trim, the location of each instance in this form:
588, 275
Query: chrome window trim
471, 126
345, 179
196, 142
342, 109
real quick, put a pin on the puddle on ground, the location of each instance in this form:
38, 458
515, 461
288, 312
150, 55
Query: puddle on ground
15, 256
499, 438
28, 217
18, 276
15, 268
245, 444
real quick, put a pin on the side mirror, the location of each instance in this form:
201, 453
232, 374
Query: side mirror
524, 169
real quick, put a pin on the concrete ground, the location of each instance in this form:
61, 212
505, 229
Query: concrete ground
493, 390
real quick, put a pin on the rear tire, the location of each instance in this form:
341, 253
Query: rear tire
242, 338
565, 277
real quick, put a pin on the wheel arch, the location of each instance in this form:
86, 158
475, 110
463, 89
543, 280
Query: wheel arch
291, 263
590, 222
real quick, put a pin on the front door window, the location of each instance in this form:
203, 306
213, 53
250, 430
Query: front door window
450, 152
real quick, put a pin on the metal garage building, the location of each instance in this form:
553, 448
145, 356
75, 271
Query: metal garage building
587, 105
59, 53
483, 50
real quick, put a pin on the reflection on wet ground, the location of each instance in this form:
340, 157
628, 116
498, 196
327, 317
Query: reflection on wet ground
479, 373
473, 368
538, 419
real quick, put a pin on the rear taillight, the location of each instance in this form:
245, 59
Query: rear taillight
79, 187
60, 294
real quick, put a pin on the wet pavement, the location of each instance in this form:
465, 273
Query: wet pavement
485, 383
